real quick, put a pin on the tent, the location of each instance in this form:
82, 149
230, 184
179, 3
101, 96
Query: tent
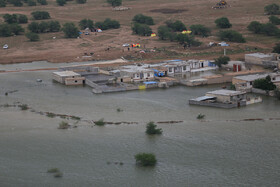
186, 32
153, 35
98, 30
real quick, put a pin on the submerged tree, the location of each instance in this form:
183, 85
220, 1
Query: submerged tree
151, 129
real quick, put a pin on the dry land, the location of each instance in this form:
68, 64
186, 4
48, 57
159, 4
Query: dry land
60, 49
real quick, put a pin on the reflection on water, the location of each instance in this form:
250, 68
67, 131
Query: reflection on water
217, 152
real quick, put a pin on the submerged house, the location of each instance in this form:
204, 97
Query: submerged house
224, 99
68, 78
136, 74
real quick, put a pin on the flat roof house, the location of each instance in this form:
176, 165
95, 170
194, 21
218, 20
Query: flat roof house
227, 96
68, 78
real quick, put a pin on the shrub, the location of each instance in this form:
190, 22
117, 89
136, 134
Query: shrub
269, 29
140, 18
16, 28
54, 26
164, 32
119, 110
107, 24
200, 116
264, 84
70, 30
5, 30
86, 23
272, 9
42, 2
50, 115
115, 3
255, 27
222, 60
31, 3
151, 129
63, 125
53, 170
17, 3
276, 48
61, 2
3, 3
81, 1
187, 39
232, 36
274, 20
100, 122
10, 18
176, 26
200, 30
223, 23
58, 175
145, 159
141, 29
43, 27
23, 107
39, 15
22, 18
34, 27
32, 36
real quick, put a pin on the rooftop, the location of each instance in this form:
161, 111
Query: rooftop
226, 92
260, 55
66, 73
251, 77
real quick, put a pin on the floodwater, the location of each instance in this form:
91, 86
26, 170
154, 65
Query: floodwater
223, 150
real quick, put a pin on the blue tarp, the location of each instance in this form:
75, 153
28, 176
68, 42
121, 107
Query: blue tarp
150, 82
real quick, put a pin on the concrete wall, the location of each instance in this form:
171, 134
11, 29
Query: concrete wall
74, 81
218, 105
58, 78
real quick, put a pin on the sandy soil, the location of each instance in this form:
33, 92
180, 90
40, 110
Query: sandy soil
241, 13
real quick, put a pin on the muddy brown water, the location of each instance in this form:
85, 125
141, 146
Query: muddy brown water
223, 150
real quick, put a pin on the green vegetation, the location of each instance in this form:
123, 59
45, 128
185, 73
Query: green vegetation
63, 125
231, 36
15, 18
31, 3
276, 48
81, 1
142, 19
264, 84
33, 37
107, 24
86, 23
22, 18
23, 107
50, 115
42, 2
61, 2
272, 9
176, 26
141, 29
39, 15
223, 23
222, 60
100, 122
75, 118
119, 110
267, 29
7, 30
58, 175
255, 27
274, 20
200, 116
53, 170
145, 159
115, 3
70, 30
277, 93
164, 32
3, 3
43, 27
151, 129
187, 40
200, 30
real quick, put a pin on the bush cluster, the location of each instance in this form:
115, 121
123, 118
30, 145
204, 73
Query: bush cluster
70, 30
142, 19
39, 15
15, 18
115, 3
268, 29
223, 23
151, 128
44, 26
107, 24
272, 9
141, 29
200, 30
33, 37
222, 60
274, 20
176, 26
19, 3
7, 30
145, 159
231, 36
264, 84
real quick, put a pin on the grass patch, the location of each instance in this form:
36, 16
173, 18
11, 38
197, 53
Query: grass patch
63, 125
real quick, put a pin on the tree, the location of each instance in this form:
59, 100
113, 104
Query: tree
43, 27
187, 40
107, 24
115, 3
255, 27
22, 18
5, 30
39, 15
42, 2
176, 26
32, 36
70, 30
145, 159
34, 27
141, 29
86, 23
223, 23
164, 32
17, 3
269, 29
274, 20
151, 128
31, 3
200, 30
16, 28
3, 3
272, 9
231, 36
8, 18
222, 60
264, 84
140, 18
81, 1
61, 2
54, 26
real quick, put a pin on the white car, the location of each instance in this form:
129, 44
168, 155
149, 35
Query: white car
5, 46
126, 45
